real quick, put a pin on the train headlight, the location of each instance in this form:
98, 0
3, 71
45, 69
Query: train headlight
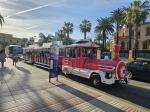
108, 76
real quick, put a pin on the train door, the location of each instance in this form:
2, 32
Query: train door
76, 57
76, 60
67, 63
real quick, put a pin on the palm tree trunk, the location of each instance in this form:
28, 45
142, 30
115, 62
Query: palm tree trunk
67, 34
130, 29
135, 39
117, 33
103, 40
67, 38
85, 35
105, 43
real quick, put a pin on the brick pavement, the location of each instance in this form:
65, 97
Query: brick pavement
25, 88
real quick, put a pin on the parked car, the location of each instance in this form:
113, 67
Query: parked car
140, 69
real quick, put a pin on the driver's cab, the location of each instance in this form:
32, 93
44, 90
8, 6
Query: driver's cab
77, 55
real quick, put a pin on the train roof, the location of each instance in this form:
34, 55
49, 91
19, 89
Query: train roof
90, 44
14, 45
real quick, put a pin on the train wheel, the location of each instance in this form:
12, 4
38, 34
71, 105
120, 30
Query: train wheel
96, 80
66, 74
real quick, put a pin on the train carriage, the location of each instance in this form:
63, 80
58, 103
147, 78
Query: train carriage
40, 56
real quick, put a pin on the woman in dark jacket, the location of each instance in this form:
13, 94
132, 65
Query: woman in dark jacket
2, 57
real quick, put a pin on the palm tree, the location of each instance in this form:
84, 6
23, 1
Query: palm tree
139, 12
85, 27
44, 38
127, 21
68, 28
31, 40
1, 20
61, 34
117, 18
24, 42
104, 27
49, 38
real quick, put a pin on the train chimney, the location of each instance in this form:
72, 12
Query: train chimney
115, 52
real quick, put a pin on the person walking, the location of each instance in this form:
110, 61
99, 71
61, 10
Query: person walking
15, 59
2, 57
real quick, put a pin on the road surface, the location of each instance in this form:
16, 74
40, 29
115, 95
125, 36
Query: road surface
25, 88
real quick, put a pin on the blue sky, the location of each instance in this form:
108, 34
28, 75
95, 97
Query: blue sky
27, 18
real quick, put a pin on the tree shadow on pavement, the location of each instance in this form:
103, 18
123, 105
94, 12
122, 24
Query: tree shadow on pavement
6, 71
134, 94
88, 98
38, 103
25, 71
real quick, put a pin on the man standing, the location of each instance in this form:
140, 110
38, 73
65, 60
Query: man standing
15, 58
53, 70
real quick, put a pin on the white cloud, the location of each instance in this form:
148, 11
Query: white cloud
31, 9
17, 19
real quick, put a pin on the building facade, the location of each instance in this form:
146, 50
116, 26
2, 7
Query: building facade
143, 37
7, 39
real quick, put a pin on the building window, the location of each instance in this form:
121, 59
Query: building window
147, 31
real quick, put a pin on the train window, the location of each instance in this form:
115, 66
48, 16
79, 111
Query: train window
73, 53
78, 52
67, 52
89, 52
61, 52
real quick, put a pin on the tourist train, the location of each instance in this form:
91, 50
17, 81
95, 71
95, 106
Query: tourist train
84, 60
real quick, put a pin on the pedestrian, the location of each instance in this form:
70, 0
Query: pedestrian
53, 70
2, 57
15, 59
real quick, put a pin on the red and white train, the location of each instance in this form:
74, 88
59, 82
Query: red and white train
84, 60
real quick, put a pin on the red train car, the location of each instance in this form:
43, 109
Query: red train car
40, 56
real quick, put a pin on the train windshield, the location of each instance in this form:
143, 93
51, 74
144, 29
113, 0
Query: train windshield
90, 52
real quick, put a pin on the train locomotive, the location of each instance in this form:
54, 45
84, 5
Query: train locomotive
84, 60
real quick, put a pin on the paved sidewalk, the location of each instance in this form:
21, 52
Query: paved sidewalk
25, 88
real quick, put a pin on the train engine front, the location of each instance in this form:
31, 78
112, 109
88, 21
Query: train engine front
111, 71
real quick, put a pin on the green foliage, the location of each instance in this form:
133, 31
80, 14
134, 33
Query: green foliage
24, 42
117, 18
135, 15
68, 41
44, 39
85, 27
1, 20
137, 12
4, 44
103, 28
68, 28
61, 34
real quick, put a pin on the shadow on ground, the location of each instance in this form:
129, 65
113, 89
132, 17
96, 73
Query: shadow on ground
134, 94
88, 98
